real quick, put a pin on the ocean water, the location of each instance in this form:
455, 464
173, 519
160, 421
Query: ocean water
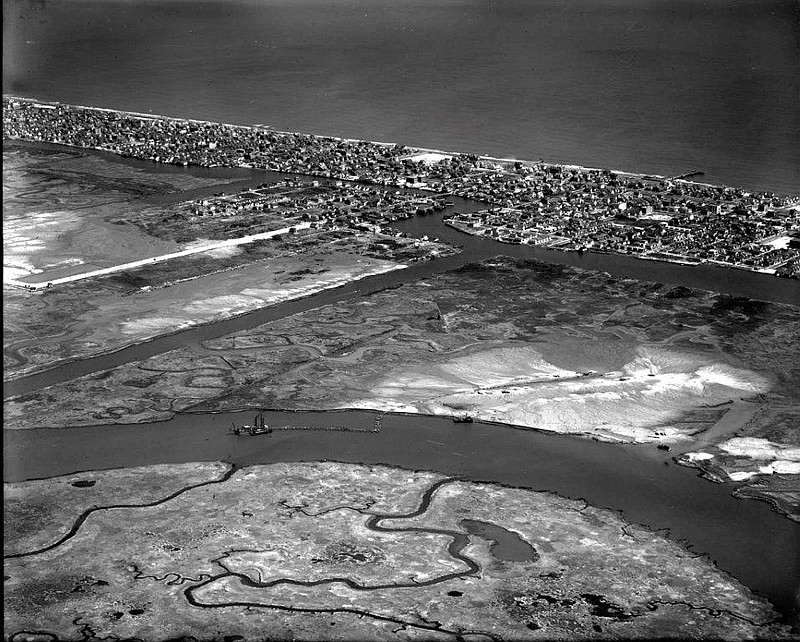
658, 86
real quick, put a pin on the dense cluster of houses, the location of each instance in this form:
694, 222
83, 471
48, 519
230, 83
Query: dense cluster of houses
575, 208
339, 204
569, 207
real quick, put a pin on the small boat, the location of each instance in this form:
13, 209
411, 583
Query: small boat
258, 427
463, 419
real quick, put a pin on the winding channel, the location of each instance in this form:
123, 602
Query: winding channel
458, 542
79, 521
745, 538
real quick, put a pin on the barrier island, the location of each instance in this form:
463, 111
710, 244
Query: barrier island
562, 206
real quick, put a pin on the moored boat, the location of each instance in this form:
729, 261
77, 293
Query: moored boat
258, 427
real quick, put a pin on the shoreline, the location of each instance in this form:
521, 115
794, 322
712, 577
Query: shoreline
398, 182
742, 490
413, 151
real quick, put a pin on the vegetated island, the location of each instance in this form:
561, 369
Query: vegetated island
327, 551
560, 206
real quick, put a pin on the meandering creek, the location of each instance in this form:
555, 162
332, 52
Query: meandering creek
746, 538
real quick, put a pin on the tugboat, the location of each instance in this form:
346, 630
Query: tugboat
258, 427
463, 419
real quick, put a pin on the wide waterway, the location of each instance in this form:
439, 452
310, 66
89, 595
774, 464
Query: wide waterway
746, 538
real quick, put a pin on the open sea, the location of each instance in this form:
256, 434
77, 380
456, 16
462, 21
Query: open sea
655, 86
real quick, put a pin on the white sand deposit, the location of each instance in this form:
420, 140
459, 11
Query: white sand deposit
187, 310
758, 448
26, 240
515, 385
751, 457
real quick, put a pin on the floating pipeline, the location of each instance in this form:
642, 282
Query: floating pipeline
328, 428
268, 431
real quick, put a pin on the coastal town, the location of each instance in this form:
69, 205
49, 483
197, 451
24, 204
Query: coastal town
655, 219
556, 206
286, 207
334, 205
